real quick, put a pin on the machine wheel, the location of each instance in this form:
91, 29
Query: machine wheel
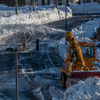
64, 80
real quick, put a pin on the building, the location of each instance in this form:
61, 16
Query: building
74, 1
43, 2
85, 1
47, 2
12, 2
60, 2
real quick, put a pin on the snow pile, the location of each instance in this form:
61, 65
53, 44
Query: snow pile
11, 32
37, 94
8, 11
49, 71
56, 93
92, 7
88, 90
46, 71
30, 22
89, 28
62, 48
37, 17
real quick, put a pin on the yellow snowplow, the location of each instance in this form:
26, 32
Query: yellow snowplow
79, 61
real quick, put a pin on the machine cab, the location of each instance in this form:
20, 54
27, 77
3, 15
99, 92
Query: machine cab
88, 51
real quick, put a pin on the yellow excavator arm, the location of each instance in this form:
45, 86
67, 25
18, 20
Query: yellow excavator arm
77, 50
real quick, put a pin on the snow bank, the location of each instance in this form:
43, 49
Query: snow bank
88, 90
37, 17
51, 70
56, 93
84, 90
18, 30
89, 28
30, 22
92, 7
38, 94
8, 11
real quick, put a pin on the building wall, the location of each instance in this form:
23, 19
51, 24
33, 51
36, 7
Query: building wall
84, 1
51, 2
73, 1
39, 2
26, 2
12, 2
64, 2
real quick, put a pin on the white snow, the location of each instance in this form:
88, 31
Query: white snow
56, 93
92, 7
89, 28
7, 11
87, 90
37, 17
84, 90
38, 94
46, 71
30, 22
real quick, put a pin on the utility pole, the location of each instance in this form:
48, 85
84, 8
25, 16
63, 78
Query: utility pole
67, 2
16, 69
16, 59
66, 14
37, 44
83, 21
57, 4
16, 4
30, 4
33, 5
65, 19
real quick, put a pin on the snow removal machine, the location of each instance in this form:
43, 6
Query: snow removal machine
79, 61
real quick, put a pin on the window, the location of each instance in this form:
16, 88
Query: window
85, 1
59, 2
36, 2
45, 2
88, 52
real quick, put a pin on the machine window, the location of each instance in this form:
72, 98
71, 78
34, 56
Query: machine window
88, 52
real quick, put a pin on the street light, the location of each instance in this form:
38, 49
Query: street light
57, 4
33, 5
66, 14
16, 59
16, 4
83, 20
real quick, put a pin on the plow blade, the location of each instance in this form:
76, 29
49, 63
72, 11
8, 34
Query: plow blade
84, 74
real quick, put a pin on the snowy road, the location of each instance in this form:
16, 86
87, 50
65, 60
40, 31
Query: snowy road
72, 22
37, 69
